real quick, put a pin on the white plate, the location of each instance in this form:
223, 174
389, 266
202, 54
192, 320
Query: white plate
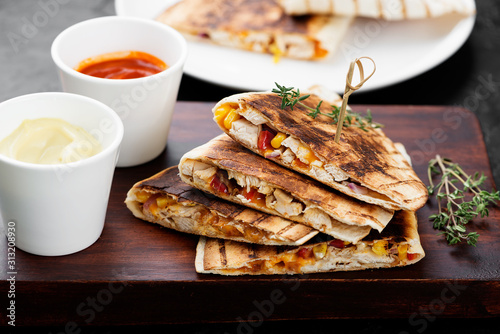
401, 50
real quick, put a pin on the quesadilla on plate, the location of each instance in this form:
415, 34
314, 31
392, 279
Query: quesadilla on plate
385, 9
365, 165
398, 245
165, 200
226, 169
257, 25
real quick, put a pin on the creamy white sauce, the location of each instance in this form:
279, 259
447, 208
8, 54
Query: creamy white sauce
49, 141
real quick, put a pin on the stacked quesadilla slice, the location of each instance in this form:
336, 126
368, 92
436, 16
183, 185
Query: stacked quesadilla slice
165, 200
398, 245
365, 164
225, 169
258, 26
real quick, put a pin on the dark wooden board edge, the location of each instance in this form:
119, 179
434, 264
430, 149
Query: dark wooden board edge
147, 303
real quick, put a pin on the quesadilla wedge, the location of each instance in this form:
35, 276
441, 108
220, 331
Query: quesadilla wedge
384, 9
165, 200
257, 25
226, 169
365, 164
398, 245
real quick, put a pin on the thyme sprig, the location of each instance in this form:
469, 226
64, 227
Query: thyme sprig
292, 97
454, 211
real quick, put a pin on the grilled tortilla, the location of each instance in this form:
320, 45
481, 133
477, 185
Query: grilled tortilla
398, 245
165, 200
226, 169
384, 9
257, 25
365, 164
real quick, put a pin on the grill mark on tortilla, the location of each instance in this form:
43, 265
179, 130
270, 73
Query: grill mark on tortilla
366, 145
369, 151
264, 218
285, 229
259, 220
237, 212
222, 252
367, 157
415, 198
244, 15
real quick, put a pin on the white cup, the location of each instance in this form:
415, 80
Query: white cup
58, 209
146, 104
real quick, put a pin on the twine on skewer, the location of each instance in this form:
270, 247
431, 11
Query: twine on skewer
349, 89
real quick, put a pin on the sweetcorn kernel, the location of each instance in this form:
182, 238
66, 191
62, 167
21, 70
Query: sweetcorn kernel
221, 112
142, 196
402, 250
320, 251
276, 141
153, 208
276, 51
380, 247
230, 118
162, 202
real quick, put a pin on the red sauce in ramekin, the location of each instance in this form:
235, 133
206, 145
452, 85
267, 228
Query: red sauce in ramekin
122, 65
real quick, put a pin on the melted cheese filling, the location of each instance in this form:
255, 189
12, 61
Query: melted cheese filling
165, 206
295, 260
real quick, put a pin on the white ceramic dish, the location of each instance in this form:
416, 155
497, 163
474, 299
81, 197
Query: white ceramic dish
146, 104
401, 50
58, 209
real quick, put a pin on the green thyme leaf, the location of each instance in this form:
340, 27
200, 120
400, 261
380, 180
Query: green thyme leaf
454, 210
290, 97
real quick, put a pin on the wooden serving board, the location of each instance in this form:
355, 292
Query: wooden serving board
139, 273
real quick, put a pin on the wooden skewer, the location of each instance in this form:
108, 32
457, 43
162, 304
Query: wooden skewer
349, 89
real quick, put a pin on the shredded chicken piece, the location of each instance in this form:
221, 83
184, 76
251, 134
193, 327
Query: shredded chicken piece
205, 174
247, 181
288, 156
285, 205
258, 41
187, 168
292, 143
321, 174
253, 116
317, 163
301, 151
184, 211
190, 166
270, 201
246, 132
242, 198
315, 215
336, 172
